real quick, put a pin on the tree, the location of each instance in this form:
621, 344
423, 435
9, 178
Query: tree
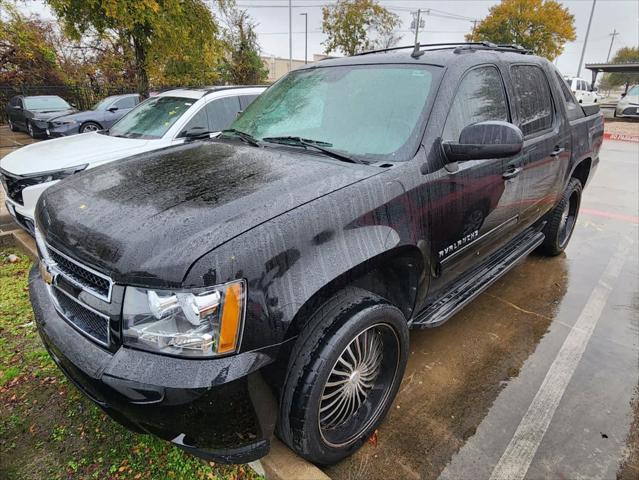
241, 64
624, 55
352, 26
543, 26
27, 56
154, 29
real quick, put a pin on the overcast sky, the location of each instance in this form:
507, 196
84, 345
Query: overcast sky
272, 19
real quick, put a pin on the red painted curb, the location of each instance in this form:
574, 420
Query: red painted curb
621, 137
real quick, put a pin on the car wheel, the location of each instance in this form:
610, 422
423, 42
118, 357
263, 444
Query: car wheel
90, 127
562, 220
30, 130
344, 373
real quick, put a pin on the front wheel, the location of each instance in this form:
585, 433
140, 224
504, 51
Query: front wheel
30, 130
344, 373
12, 127
562, 220
90, 127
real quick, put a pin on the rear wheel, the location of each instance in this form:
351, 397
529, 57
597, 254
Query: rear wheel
345, 370
562, 220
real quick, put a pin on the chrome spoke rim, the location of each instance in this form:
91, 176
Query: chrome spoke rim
351, 379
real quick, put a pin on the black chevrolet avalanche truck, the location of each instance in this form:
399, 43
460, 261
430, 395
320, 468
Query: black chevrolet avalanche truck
264, 282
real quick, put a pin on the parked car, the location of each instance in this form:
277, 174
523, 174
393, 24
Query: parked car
31, 113
167, 119
102, 116
583, 91
209, 292
628, 105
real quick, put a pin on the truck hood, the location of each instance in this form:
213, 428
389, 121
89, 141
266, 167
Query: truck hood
66, 152
145, 220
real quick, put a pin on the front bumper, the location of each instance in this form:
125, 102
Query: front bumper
65, 130
24, 213
628, 111
220, 409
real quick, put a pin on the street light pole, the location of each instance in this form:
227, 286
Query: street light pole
290, 35
583, 50
305, 37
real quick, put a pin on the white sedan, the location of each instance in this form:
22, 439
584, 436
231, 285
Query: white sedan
169, 118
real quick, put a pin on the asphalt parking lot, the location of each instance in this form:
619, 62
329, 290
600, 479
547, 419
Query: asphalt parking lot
538, 378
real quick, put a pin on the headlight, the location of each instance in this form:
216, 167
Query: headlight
202, 323
57, 175
59, 123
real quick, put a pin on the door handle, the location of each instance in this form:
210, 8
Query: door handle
512, 172
557, 151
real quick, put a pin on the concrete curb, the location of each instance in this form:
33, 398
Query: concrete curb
283, 464
621, 137
280, 464
21, 240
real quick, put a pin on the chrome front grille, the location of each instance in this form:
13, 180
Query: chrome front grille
89, 321
84, 277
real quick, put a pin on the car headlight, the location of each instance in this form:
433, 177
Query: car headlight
57, 174
59, 123
202, 323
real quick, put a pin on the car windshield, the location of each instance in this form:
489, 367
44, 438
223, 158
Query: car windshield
103, 104
152, 118
634, 91
42, 104
369, 111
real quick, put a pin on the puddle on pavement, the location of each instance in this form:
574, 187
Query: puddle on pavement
456, 371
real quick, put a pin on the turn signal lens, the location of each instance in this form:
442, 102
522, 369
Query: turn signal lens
231, 318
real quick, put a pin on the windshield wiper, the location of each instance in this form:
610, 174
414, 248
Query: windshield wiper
247, 138
319, 145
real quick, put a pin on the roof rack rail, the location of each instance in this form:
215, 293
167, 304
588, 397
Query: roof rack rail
459, 46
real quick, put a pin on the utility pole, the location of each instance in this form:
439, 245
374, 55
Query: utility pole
305, 37
290, 35
474, 27
612, 40
583, 50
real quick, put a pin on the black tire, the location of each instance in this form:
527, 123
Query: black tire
562, 220
30, 130
90, 127
352, 318
12, 127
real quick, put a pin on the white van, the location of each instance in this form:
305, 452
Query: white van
582, 90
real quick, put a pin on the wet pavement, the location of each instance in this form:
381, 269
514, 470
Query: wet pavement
538, 377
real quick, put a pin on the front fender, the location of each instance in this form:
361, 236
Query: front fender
290, 258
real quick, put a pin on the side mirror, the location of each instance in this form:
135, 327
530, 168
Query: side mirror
194, 132
17, 107
623, 94
112, 109
484, 140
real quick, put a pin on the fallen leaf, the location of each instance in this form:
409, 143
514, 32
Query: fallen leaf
373, 439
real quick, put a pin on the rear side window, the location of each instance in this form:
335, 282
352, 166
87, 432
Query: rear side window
532, 99
573, 110
222, 112
246, 100
126, 102
480, 97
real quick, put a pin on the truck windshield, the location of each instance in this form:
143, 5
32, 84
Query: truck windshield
369, 111
152, 118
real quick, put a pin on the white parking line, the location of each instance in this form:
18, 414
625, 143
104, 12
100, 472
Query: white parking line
514, 463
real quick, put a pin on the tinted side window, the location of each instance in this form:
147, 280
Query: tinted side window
222, 112
126, 102
573, 110
246, 100
480, 97
533, 99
